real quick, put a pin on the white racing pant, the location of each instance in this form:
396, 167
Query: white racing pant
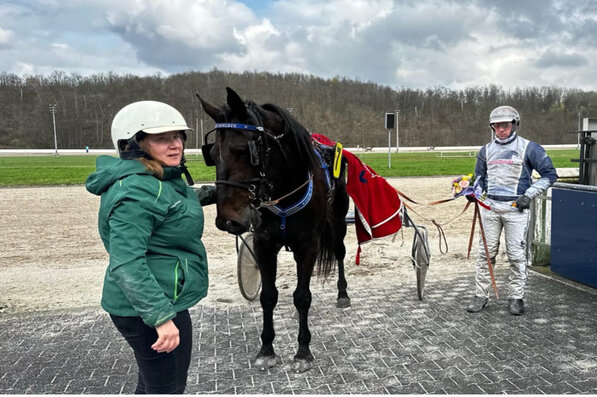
515, 224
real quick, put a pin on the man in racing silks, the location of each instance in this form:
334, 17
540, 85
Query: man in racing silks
503, 170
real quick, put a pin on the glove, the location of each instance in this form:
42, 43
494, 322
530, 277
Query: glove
207, 194
470, 198
523, 202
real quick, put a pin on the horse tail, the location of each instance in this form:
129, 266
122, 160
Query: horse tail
326, 259
331, 243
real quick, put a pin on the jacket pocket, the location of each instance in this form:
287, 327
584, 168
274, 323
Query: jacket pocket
170, 273
182, 278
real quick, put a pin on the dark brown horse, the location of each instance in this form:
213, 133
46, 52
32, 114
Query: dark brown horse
274, 180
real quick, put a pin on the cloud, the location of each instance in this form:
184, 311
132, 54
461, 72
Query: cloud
400, 43
553, 58
6, 37
60, 46
181, 34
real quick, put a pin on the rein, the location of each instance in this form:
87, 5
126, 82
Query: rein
440, 230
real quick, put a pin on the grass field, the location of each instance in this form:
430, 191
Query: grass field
73, 170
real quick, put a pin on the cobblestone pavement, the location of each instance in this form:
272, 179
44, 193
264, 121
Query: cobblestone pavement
387, 343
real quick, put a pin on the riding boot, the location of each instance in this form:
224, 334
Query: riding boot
477, 304
516, 306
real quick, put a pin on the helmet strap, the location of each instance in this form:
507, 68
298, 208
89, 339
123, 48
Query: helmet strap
186, 172
134, 150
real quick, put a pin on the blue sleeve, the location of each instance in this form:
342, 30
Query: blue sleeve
539, 161
481, 168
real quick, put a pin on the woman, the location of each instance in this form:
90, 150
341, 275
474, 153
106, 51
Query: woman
151, 223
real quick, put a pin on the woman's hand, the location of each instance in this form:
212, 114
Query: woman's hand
168, 337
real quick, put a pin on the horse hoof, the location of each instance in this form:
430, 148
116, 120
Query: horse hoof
266, 362
302, 365
343, 303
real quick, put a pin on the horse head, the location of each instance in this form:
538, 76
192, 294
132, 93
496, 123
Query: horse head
242, 152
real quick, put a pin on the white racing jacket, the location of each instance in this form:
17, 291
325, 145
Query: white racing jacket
504, 168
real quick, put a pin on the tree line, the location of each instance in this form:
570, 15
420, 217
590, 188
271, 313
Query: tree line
342, 109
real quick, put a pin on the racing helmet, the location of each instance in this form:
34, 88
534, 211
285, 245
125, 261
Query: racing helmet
503, 114
150, 117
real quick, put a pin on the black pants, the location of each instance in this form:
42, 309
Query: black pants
159, 373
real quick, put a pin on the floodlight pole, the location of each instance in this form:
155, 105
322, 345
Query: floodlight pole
53, 111
389, 149
196, 133
397, 129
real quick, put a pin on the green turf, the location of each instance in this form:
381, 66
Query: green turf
73, 170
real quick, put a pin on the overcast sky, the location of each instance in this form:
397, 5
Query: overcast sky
399, 43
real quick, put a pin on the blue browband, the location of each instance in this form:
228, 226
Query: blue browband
234, 126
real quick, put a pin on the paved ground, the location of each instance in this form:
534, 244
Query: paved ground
387, 343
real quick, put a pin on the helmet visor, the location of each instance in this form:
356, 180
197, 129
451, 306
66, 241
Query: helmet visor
502, 119
159, 130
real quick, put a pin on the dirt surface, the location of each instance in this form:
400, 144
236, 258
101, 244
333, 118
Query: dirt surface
51, 256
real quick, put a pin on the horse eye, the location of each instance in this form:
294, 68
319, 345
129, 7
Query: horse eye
239, 150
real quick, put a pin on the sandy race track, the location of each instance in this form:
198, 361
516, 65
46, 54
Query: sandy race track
51, 256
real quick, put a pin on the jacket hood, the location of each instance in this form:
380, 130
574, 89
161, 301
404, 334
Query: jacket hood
111, 169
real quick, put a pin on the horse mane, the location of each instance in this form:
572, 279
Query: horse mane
326, 258
302, 137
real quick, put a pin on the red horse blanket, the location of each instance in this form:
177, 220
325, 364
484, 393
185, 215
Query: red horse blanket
377, 203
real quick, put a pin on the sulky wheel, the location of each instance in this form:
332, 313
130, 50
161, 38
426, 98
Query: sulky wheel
249, 277
421, 255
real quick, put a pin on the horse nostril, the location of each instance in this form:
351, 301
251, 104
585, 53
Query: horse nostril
234, 227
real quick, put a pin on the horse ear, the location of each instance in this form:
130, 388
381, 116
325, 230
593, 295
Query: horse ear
273, 121
236, 103
216, 114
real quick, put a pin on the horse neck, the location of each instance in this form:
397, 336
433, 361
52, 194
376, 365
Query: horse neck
288, 177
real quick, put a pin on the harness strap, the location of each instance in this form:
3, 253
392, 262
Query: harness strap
245, 185
272, 203
294, 208
326, 169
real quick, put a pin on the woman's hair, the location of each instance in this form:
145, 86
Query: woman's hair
154, 166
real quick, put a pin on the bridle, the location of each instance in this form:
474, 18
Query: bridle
259, 188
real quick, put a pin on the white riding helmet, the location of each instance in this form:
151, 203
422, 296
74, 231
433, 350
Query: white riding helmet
503, 114
151, 117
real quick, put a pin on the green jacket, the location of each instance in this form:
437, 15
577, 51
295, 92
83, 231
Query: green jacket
152, 230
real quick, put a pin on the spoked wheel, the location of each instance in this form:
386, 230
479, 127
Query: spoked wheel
249, 277
421, 255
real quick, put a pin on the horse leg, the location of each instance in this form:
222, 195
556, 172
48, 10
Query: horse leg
266, 358
303, 359
341, 207
343, 300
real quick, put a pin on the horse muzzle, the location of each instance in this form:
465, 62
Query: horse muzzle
232, 226
237, 224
